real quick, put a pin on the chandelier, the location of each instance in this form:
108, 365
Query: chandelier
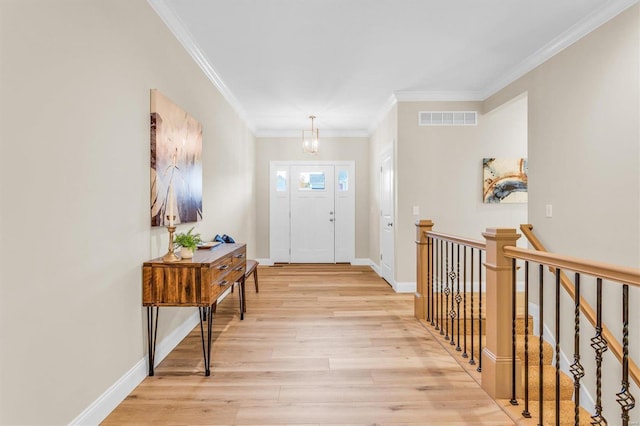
310, 139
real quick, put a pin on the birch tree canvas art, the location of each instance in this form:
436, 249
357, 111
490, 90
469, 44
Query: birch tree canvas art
176, 163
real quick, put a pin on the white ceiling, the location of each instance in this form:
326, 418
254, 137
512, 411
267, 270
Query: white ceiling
347, 61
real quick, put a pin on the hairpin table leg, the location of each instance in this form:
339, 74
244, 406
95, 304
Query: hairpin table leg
206, 312
152, 334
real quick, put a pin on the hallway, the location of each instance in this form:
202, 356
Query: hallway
320, 345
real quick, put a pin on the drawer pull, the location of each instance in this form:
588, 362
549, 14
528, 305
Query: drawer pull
240, 256
239, 268
223, 267
223, 282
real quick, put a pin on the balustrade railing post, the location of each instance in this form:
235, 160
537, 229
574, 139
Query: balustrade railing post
423, 277
497, 353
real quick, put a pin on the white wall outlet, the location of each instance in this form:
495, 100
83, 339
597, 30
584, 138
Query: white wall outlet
416, 210
548, 210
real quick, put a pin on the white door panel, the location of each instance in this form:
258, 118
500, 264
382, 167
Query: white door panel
386, 216
312, 214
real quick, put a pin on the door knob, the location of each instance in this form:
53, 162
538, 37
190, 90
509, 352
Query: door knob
389, 224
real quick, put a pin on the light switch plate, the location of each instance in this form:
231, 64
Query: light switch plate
416, 210
548, 210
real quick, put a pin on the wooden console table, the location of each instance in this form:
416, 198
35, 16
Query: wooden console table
196, 282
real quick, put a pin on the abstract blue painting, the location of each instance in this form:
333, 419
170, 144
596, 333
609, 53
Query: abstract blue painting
505, 180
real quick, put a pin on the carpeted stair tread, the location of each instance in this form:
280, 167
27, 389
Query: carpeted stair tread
534, 347
566, 382
567, 413
549, 384
453, 324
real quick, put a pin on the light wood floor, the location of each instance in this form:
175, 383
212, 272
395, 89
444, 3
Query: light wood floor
320, 345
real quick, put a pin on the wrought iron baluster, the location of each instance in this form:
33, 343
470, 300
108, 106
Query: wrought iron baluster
472, 361
557, 346
431, 277
452, 312
541, 347
479, 310
458, 297
624, 397
464, 306
428, 281
446, 291
437, 284
441, 319
599, 345
513, 400
525, 412
576, 368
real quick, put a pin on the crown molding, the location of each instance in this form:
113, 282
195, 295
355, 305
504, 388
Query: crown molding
555, 46
382, 113
323, 134
179, 30
611, 9
427, 96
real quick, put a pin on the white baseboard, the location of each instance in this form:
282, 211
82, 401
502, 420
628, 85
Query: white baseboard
405, 287
117, 392
355, 262
100, 408
375, 267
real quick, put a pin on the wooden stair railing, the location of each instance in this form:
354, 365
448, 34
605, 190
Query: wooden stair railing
597, 269
440, 296
623, 276
438, 282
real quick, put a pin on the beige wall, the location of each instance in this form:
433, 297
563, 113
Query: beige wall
584, 159
583, 142
75, 82
439, 169
384, 137
331, 149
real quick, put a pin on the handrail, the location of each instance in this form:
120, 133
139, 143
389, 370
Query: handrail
603, 270
597, 269
458, 240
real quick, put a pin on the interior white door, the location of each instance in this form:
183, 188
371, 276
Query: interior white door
312, 214
386, 216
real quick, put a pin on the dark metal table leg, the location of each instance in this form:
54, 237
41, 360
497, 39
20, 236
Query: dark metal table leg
206, 314
208, 360
243, 307
152, 334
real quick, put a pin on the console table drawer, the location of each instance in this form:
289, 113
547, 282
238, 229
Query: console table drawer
192, 282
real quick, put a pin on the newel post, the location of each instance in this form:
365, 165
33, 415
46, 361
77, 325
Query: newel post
496, 355
423, 248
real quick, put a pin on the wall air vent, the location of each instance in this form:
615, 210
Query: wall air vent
447, 118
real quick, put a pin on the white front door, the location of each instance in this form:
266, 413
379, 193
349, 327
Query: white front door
386, 216
312, 214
